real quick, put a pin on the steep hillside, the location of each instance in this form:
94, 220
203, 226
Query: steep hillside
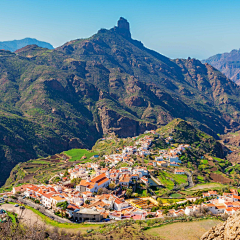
227, 63
228, 230
182, 132
54, 100
232, 141
17, 44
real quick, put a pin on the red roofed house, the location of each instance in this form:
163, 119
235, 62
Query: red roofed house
236, 198
21, 188
179, 171
94, 184
234, 191
124, 180
144, 180
210, 194
119, 204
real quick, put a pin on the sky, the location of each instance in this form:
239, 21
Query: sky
174, 28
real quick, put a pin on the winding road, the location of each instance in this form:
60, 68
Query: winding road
190, 181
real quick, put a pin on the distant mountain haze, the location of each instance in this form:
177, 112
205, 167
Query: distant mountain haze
17, 44
227, 63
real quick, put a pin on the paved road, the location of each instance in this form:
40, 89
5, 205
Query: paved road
190, 181
44, 211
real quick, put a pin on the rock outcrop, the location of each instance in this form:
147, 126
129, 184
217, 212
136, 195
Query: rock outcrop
228, 230
123, 27
53, 100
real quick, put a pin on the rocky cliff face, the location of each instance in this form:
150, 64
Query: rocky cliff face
123, 27
53, 100
228, 230
227, 63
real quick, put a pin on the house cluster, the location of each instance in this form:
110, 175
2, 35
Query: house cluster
78, 172
82, 203
228, 203
170, 157
141, 148
86, 202
104, 176
50, 195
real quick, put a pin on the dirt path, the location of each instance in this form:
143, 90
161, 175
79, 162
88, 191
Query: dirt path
203, 186
26, 216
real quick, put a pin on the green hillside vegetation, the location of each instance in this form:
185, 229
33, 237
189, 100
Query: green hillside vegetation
37, 171
69, 97
170, 181
112, 144
77, 154
196, 159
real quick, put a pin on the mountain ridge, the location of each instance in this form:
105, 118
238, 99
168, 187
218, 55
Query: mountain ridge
14, 45
70, 96
228, 63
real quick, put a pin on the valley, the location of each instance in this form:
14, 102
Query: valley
53, 100
104, 138
143, 178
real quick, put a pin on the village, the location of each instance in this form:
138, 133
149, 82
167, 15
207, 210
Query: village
103, 192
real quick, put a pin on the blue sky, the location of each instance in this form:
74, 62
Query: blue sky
175, 28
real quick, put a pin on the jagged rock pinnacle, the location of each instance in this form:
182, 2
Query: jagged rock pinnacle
123, 27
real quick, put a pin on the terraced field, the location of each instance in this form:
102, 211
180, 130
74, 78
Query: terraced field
183, 231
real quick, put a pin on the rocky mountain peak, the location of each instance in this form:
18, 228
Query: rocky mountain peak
123, 27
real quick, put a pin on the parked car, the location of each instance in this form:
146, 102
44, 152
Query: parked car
16, 205
22, 207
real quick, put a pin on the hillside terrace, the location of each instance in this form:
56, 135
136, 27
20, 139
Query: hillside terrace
84, 195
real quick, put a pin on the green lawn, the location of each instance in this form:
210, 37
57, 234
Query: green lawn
40, 162
167, 179
200, 179
77, 154
205, 161
180, 178
204, 187
175, 195
164, 179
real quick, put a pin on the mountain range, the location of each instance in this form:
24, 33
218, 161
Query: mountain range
227, 63
17, 44
57, 99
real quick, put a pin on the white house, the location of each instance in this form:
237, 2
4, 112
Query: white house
160, 158
55, 199
119, 204
144, 180
179, 171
